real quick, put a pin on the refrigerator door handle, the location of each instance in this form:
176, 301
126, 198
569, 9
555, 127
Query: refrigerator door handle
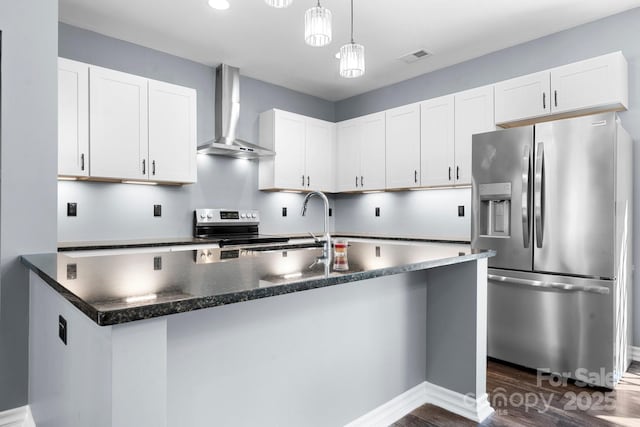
537, 196
526, 170
601, 290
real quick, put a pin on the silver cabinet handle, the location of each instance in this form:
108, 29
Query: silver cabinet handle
303, 180
526, 170
308, 181
144, 166
449, 173
602, 290
153, 167
538, 209
82, 161
457, 173
415, 176
544, 100
361, 181
356, 182
555, 97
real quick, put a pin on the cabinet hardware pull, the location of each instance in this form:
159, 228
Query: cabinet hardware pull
153, 167
457, 173
361, 181
308, 181
555, 97
303, 180
82, 161
356, 182
144, 166
415, 176
449, 173
544, 100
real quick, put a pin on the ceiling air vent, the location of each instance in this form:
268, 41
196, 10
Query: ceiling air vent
415, 56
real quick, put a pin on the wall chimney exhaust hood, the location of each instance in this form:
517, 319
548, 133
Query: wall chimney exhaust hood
227, 113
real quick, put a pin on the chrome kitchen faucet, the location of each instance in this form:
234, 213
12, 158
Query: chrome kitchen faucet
326, 251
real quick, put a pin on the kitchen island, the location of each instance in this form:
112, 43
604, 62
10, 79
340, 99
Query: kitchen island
257, 336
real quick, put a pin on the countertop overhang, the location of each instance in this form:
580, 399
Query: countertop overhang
115, 289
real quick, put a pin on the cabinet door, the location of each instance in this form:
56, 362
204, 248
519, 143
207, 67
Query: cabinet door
437, 141
73, 118
172, 132
372, 152
118, 125
319, 155
587, 85
523, 98
473, 114
403, 147
349, 136
289, 143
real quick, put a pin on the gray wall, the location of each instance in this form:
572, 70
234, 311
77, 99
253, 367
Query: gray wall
618, 32
28, 168
123, 211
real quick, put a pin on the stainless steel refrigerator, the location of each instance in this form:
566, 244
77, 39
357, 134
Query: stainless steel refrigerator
555, 201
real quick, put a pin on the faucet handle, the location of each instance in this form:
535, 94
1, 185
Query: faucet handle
314, 237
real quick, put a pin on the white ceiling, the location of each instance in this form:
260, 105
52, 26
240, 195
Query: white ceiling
267, 43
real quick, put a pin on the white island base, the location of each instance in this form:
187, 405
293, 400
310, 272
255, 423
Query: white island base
360, 353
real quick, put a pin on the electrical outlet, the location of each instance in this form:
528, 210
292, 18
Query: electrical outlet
284, 211
460, 210
72, 271
157, 210
330, 212
72, 209
377, 211
157, 263
62, 329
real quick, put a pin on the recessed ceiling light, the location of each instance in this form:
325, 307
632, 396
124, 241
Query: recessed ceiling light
219, 4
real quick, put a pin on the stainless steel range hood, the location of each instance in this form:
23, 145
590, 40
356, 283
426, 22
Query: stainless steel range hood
227, 113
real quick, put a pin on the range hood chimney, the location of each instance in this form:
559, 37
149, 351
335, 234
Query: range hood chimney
227, 113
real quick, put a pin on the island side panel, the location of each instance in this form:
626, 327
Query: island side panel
315, 358
457, 327
69, 385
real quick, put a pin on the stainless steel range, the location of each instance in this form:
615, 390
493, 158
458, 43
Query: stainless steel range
229, 227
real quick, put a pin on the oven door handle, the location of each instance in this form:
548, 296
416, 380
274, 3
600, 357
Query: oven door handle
559, 286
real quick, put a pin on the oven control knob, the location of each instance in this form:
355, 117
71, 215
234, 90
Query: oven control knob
243, 215
253, 215
203, 216
203, 255
209, 216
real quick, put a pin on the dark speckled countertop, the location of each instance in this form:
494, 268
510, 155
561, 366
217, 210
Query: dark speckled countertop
114, 289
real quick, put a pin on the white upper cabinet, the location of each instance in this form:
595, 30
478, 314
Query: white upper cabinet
73, 118
360, 153
596, 84
523, 97
372, 152
437, 141
118, 128
304, 149
473, 114
403, 147
593, 85
172, 133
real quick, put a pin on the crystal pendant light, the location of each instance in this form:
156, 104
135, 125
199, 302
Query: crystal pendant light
317, 26
279, 3
351, 56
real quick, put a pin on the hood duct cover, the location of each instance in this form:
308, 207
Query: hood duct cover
227, 114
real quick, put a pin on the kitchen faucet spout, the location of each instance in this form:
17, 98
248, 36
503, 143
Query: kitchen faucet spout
326, 236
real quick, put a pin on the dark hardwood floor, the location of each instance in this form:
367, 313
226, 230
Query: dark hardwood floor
521, 399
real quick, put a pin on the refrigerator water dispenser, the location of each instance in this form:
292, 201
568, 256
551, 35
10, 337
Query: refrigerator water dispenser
495, 209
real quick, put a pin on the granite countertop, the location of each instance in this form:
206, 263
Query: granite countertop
115, 289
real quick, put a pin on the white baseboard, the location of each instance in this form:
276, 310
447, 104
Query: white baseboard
635, 353
391, 411
18, 417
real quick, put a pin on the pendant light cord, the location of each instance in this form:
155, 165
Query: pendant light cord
351, 21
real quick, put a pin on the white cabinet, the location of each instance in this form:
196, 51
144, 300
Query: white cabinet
304, 152
118, 128
403, 147
73, 118
584, 87
437, 141
172, 133
473, 114
360, 157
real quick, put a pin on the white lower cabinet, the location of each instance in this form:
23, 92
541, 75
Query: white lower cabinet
304, 152
360, 153
403, 147
117, 126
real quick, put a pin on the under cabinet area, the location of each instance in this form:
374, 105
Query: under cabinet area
117, 126
360, 153
593, 85
304, 152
